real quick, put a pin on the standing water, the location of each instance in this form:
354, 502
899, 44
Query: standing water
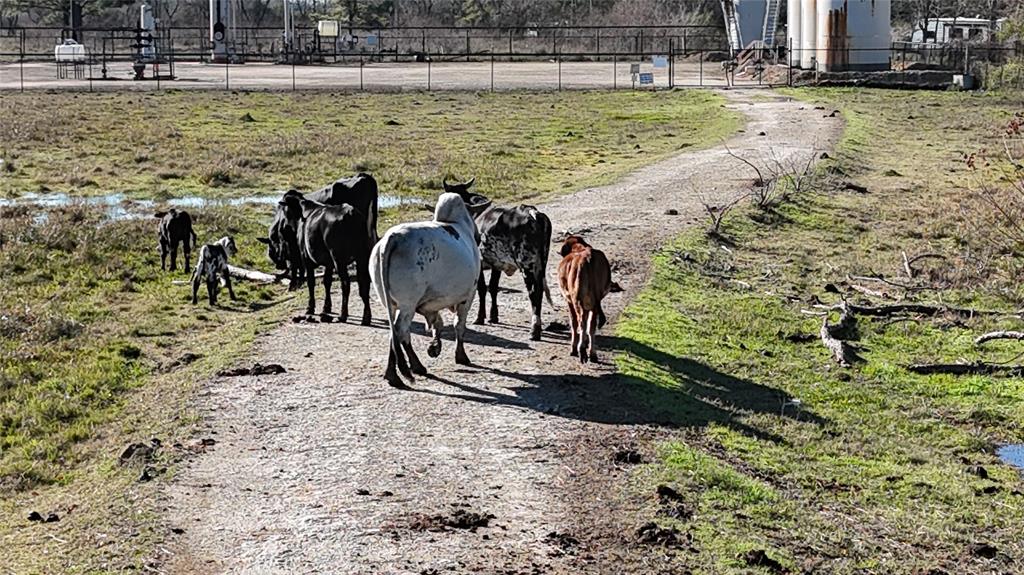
1012, 454
120, 207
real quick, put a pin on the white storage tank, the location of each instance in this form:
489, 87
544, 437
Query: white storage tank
793, 17
69, 51
853, 35
808, 36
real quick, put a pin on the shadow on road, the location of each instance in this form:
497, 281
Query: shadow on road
702, 394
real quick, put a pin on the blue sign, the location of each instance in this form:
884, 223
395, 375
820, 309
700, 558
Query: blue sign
646, 78
660, 61
371, 40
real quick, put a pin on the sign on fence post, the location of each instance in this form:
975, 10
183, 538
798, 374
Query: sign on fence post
646, 78
634, 71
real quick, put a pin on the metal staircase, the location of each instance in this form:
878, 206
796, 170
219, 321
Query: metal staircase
771, 22
732, 26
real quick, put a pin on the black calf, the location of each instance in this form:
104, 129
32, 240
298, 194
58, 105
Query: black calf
175, 229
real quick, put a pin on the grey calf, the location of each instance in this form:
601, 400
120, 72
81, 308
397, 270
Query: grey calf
213, 262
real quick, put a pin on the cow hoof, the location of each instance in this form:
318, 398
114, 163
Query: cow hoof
366, 321
593, 358
479, 321
462, 359
418, 369
434, 349
535, 335
493, 319
344, 319
397, 383
583, 359
573, 352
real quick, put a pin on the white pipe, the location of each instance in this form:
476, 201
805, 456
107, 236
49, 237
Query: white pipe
808, 33
793, 17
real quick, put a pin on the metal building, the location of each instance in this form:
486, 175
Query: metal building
840, 35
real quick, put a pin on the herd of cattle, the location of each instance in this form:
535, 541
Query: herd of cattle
415, 268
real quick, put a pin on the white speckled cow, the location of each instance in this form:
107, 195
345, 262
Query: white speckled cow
426, 267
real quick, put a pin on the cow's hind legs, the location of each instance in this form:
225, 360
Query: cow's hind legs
495, 280
163, 254
311, 286
174, 256
591, 330
363, 278
346, 288
403, 322
481, 290
328, 282
390, 374
574, 329
227, 282
434, 349
535, 288
460, 331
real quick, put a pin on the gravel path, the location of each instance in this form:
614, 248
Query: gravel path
325, 469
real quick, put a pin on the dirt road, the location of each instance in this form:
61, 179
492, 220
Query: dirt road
326, 469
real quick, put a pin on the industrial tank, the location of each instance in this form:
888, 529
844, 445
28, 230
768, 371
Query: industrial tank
853, 35
808, 36
793, 17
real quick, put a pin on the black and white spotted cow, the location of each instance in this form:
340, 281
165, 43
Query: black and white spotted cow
511, 239
213, 265
175, 230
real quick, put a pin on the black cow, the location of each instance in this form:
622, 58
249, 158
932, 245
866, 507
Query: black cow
510, 239
175, 229
359, 191
212, 265
283, 240
332, 237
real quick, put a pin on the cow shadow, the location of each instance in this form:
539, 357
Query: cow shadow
691, 394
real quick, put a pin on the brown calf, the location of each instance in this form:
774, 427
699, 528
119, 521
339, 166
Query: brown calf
585, 277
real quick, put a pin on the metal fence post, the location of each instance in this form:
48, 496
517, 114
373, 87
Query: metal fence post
21, 67
428, 75
702, 67
615, 72
492, 72
361, 63
559, 59
227, 73
293, 75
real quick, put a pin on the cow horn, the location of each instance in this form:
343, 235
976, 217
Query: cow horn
471, 181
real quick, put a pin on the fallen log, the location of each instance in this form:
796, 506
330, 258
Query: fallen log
977, 368
254, 275
1018, 335
844, 354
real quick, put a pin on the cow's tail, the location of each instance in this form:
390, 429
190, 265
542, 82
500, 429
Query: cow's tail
200, 264
545, 224
195, 240
383, 258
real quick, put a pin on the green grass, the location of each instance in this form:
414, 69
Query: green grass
93, 334
869, 471
520, 145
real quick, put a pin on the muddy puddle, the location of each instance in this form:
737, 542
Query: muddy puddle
119, 207
1012, 454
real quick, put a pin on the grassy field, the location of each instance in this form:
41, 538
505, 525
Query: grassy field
173, 144
98, 347
870, 469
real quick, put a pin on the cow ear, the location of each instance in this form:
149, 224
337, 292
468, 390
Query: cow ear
444, 183
263, 240
566, 249
159, 215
